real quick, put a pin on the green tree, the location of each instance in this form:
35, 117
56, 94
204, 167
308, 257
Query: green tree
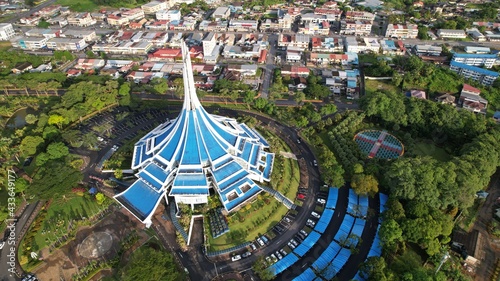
30, 144
261, 269
364, 184
160, 85
57, 150
100, 198
58, 120
124, 89
30, 119
390, 232
150, 264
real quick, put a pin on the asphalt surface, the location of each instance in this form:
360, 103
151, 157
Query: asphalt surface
5, 275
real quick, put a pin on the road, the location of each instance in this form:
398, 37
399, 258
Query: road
31, 11
5, 265
270, 65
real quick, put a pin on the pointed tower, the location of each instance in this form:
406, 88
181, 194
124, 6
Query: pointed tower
185, 157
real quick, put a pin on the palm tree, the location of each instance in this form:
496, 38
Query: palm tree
53, 85
4, 84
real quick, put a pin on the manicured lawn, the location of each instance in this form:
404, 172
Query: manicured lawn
376, 85
429, 149
60, 213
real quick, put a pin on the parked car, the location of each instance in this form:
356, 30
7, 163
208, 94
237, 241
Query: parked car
301, 196
279, 255
283, 252
321, 201
291, 245
303, 232
236, 258
253, 247
315, 163
261, 243
316, 215
288, 220
264, 238
246, 254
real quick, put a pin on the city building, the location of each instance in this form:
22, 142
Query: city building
66, 44
486, 60
183, 158
471, 100
477, 50
428, 50
221, 13
451, 33
359, 15
361, 45
243, 25
285, 22
81, 19
41, 32
476, 34
483, 76
22, 67
30, 43
152, 7
390, 47
401, 31
170, 15
87, 35
358, 27
491, 36
327, 44
125, 48
6, 31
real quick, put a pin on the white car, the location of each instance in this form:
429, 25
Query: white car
247, 254
316, 215
261, 243
315, 163
321, 201
303, 232
236, 258
2, 244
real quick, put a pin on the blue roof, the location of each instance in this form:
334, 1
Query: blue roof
187, 180
474, 68
307, 275
481, 56
140, 199
496, 115
283, 264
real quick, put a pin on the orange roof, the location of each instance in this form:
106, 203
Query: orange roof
167, 53
469, 88
263, 55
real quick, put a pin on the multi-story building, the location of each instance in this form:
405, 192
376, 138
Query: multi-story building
87, 64
476, 34
156, 38
361, 45
471, 100
477, 50
285, 22
333, 14
243, 25
170, 15
359, 15
81, 19
133, 14
66, 44
210, 48
390, 47
294, 54
30, 43
42, 32
323, 58
153, 7
269, 24
491, 36
451, 33
483, 76
116, 20
312, 28
358, 27
328, 44
126, 48
486, 60
428, 50
49, 11
401, 31
221, 13
87, 35
6, 31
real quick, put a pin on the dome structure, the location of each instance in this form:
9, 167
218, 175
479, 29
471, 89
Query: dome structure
183, 158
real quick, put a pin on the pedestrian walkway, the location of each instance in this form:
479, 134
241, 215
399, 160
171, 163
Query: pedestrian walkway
280, 197
176, 223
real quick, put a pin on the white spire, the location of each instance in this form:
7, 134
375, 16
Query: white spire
191, 101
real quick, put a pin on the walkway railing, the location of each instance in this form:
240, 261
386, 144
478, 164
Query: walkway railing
176, 223
280, 197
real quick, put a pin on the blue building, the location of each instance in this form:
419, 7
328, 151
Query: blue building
483, 76
185, 157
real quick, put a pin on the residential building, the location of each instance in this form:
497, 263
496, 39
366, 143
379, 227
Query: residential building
446, 99
332, 14
159, 25
324, 58
182, 25
156, 38
49, 11
390, 47
491, 36
210, 48
22, 67
81, 19
87, 35
295, 71
270, 25
312, 28
327, 44
361, 45
87, 64
285, 22
133, 14
152, 7
6, 31
471, 100
486, 60
427, 50
359, 15
475, 34
213, 26
294, 54
30, 43
30, 21
170, 15
401, 31
126, 48
358, 27
451, 33
169, 55
221, 13
419, 94
66, 44
243, 25
483, 76
41, 32
239, 52
243, 69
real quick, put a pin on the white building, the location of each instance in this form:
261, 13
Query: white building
126, 48
401, 31
153, 7
170, 15
81, 19
483, 76
243, 25
6, 31
477, 50
486, 60
87, 35
362, 45
221, 13
358, 27
30, 43
66, 44
359, 15
474, 33
451, 33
